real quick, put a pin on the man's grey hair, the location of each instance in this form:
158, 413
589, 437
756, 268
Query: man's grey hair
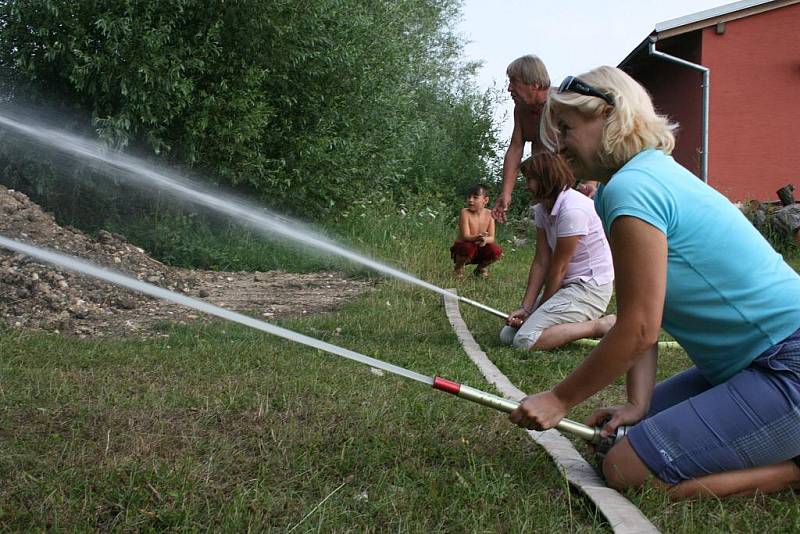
529, 69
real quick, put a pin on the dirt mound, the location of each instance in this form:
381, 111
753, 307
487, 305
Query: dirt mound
39, 296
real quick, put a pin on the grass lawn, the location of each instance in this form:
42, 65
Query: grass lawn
218, 427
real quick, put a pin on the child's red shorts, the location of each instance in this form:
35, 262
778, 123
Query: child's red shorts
475, 254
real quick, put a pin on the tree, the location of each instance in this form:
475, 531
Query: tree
305, 104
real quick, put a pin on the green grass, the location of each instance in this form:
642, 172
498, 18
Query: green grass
381, 227
536, 371
218, 427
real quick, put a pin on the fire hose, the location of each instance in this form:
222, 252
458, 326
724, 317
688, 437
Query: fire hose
590, 434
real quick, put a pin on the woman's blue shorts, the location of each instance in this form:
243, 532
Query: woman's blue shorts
695, 428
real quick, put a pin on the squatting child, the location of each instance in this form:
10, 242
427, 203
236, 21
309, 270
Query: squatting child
475, 243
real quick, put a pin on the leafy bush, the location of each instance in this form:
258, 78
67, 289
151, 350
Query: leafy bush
375, 227
305, 105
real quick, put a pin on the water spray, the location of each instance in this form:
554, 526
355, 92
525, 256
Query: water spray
255, 217
590, 434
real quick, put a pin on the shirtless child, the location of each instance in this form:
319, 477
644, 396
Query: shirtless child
475, 242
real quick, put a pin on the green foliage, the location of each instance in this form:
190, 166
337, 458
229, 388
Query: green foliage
307, 105
187, 240
377, 227
762, 217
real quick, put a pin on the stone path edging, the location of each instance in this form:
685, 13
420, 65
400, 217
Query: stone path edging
623, 516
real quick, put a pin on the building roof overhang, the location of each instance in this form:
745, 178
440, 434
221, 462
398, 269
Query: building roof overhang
705, 19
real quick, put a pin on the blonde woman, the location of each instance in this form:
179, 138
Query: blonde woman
686, 259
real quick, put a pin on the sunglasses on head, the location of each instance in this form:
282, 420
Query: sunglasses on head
576, 85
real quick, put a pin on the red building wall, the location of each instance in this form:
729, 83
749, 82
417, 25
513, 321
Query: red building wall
676, 92
754, 146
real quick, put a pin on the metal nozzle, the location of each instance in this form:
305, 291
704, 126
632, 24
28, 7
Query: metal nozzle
483, 307
588, 433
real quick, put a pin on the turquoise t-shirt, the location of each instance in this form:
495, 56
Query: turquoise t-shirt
730, 296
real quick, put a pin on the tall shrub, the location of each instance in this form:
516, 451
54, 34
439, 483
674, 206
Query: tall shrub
304, 104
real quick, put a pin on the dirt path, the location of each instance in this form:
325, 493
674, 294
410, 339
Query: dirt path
44, 297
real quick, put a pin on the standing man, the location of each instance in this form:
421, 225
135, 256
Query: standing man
529, 85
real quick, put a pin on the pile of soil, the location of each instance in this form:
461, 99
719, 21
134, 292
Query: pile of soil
46, 297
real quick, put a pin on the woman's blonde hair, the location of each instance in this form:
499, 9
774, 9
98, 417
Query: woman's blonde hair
632, 124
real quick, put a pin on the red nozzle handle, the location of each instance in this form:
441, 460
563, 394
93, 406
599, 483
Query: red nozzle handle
446, 385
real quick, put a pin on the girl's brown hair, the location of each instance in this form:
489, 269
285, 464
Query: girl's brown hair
552, 173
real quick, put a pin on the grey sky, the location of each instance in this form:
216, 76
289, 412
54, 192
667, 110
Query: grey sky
570, 37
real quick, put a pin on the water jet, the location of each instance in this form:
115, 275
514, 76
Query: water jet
585, 432
262, 221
